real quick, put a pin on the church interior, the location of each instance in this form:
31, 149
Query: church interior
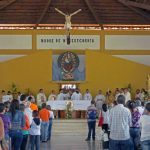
68, 44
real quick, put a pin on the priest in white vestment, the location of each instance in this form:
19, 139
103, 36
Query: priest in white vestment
127, 95
76, 95
100, 96
87, 95
52, 96
61, 95
41, 97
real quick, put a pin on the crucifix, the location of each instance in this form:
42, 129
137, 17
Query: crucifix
68, 21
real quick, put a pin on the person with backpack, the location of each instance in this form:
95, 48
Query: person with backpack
91, 120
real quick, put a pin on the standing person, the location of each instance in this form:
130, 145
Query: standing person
127, 95
139, 106
120, 121
91, 118
87, 95
31, 95
44, 116
1, 132
6, 121
50, 122
17, 123
99, 99
35, 131
100, 96
25, 130
105, 114
52, 96
76, 95
41, 98
61, 95
27, 111
9, 96
135, 127
145, 128
4, 96
33, 105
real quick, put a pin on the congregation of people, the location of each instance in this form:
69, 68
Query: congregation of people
27, 120
126, 125
24, 124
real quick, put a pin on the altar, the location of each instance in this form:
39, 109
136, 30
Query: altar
76, 107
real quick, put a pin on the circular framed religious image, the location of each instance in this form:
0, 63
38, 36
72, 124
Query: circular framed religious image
68, 62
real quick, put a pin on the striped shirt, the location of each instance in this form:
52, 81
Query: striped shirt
120, 122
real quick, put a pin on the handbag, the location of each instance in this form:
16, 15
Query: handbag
4, 144
101, 120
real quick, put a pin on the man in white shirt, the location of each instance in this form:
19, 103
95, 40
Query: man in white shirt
120, 122
87, 95
61, 95
27, 111
41, 98
52, 96
4, 96
9, 96
76, 95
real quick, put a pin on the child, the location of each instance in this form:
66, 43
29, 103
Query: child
35, 131
33, 106
105, 115
44, 116
50, 121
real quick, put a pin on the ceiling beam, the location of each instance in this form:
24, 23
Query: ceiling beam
93, 13
145, 15
138, 4
43, 13
7, 4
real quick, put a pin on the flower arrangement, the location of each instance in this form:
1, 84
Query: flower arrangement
69, 109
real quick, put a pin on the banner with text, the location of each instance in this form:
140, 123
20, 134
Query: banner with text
77, 42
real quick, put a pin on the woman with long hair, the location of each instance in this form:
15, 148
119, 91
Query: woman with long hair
17, 123
135, 127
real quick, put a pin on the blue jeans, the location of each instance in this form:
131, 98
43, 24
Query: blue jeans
91, 127
120, 144
135, 137
35, 142
16, 138
24, 142
145, 145
49, 129
44, 130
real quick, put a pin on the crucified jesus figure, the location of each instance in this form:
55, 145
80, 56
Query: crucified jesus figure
68, 18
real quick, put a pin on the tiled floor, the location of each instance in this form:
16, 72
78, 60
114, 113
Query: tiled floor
70, 142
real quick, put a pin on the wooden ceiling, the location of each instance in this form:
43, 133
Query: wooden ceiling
93, 11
